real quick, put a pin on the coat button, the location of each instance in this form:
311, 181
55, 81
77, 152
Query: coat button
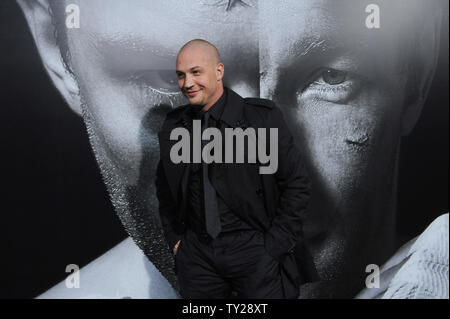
259, 192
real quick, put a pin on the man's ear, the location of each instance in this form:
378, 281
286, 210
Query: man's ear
220, 70
426, 57
37, 14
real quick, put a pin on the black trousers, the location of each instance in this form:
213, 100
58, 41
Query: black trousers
235, 264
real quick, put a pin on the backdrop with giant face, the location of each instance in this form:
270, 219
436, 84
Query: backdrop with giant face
350, 89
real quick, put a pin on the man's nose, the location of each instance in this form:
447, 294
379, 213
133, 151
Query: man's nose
188, 82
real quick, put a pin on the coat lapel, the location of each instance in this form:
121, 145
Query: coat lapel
233, 114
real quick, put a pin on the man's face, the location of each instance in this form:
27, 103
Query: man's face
124, 63
341, 89
198, 75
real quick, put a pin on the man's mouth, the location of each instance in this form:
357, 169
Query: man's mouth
192, 93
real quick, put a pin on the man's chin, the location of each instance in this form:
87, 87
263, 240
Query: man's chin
195, 102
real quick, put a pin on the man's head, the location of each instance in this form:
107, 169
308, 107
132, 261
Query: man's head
200, 73
120, 78
349, 93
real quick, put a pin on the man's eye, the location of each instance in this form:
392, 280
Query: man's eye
330, 85
334, 77
167, 80
163, 81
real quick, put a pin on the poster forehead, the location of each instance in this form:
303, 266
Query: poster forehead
138, 26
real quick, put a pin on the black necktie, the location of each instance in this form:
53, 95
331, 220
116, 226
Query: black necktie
212, 217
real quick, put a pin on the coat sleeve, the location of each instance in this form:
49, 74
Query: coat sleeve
294, 192
167, 207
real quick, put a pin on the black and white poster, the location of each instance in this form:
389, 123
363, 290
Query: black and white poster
86, 86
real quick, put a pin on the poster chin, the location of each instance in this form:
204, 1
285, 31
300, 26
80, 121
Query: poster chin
86, 86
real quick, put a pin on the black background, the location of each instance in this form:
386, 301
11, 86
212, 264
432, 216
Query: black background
54, 207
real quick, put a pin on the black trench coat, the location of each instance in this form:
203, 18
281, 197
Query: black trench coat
274, 204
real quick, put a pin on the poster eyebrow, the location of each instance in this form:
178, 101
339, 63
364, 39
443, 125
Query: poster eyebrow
119, 58
315, 46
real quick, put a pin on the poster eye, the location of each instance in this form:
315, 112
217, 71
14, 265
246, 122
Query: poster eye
331, 85
167, 79
334, 77
327, 78
164, 81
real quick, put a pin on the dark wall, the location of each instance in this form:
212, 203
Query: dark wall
423, 183
55, 209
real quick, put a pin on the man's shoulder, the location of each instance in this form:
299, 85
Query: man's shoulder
259, 111
173, 117
263, 112
176, 112
419, 269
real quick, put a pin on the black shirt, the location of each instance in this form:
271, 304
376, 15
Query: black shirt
196, 211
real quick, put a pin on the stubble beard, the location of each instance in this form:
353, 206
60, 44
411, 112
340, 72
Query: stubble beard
135, 205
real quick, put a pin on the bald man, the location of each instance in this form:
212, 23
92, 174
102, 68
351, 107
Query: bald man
232, 230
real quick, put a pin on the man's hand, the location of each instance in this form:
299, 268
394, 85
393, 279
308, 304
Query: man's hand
175, 248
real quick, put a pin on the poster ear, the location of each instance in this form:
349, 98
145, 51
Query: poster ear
39, 19
422, 74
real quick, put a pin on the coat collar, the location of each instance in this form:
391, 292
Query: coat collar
234, 109
232, 114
